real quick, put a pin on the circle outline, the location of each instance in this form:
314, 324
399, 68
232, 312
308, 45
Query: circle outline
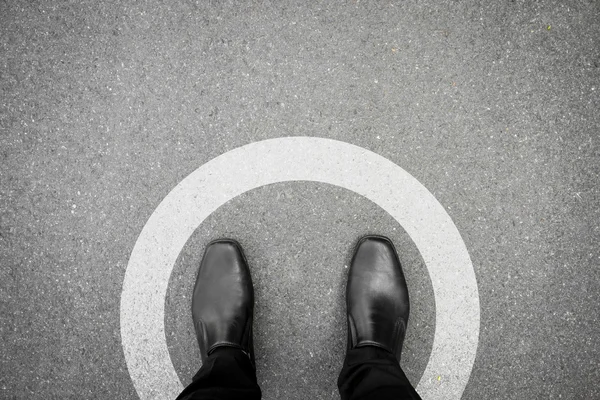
300, 159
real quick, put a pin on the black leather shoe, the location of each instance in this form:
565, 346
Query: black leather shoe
223, 300
376, 297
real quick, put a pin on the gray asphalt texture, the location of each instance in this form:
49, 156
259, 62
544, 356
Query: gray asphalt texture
493, 106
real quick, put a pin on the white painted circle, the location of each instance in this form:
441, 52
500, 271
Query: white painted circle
300, 159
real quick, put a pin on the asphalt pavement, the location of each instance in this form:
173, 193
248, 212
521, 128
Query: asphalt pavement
494, 107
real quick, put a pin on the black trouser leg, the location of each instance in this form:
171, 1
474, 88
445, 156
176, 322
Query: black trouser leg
374, 373
227, 374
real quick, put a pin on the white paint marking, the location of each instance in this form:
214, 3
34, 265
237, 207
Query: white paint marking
300, 159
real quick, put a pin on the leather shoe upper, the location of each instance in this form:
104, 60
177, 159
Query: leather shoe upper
223, 300
377, 297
